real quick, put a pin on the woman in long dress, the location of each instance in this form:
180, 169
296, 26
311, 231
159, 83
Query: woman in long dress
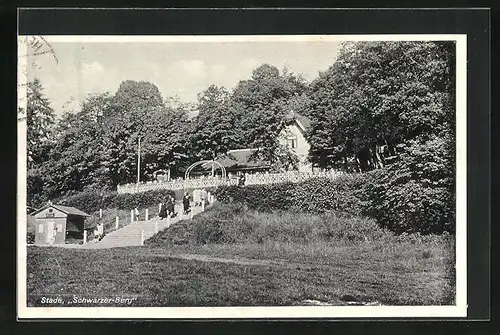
163, 210
185, 203
171, 207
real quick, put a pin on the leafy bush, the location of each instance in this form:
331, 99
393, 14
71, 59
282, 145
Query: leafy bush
416, 194
90, 201
268, 197
346, 194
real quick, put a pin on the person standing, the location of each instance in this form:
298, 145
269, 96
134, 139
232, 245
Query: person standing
163, 210
136, 214
197, 197
186, 203
241, 179
171, 206
203, 196
100, 231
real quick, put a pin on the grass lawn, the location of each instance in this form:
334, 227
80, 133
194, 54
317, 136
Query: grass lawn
159, 276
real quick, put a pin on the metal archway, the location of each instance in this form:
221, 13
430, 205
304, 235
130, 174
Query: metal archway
192, 166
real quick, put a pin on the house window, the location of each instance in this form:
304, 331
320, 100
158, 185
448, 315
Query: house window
59, 227
40, 228
291, 142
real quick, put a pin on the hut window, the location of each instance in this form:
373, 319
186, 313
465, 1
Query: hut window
50, 210
59, 227
40, 228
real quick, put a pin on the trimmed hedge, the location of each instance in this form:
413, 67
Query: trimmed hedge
402, 206
345, 194
90, 201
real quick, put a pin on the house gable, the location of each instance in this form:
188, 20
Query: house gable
49, 212
293, 136
61, 211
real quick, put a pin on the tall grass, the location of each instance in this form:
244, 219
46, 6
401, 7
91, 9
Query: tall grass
233, 224
236, 224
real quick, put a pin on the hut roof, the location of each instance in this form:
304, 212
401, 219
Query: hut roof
240, 159
65, 209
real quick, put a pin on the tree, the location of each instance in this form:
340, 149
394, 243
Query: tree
137, 96
166, 137
130, 109
76, 156
40, 119
262, 104
416, 194
213, 132
376, 96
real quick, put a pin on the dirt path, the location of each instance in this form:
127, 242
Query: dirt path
218, 259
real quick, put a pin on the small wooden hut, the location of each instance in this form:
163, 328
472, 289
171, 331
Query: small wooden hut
57, 224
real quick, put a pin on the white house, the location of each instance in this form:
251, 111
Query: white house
293, 136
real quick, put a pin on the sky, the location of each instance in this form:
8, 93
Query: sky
176, 68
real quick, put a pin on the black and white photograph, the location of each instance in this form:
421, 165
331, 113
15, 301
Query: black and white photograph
242, 176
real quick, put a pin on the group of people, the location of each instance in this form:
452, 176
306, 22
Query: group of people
199, 196
241, 179
167, 207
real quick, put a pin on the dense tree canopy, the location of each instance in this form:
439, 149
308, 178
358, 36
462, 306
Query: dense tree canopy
378, 95
382, 105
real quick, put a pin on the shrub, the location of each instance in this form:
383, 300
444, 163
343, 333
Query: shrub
346, 194
413, 195
268, 197
416, 195
90, 201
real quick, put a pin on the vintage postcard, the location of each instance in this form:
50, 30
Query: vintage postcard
214, 177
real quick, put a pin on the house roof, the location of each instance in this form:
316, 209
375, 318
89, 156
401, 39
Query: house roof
65, 209
303, 121
240, 159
